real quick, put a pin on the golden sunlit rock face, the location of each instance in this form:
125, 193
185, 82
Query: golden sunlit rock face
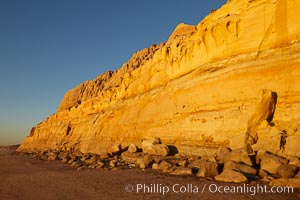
197, 91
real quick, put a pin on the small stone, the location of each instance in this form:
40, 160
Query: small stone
92, 166
155, 166
182, 171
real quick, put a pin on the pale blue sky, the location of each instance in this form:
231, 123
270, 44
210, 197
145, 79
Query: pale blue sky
48, 47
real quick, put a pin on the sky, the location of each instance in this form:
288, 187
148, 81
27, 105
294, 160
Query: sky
48, 47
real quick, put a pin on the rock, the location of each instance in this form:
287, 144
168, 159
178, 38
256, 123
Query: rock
268, 140
131, 157
104, 156
292, 146
263, 174
157, 149
182, 163
156, 92
100, 164
208, 169
181, 171
211, 158
155, 166
113, 163
77, 164
52, 156
115, 149
93, 166
270, 162
231, 176
71, 160
140, 163
132, 148
294, 161
222, 154
246, 170
65, 160
286, 171
264, 111
240, 156
165, 166
146, 161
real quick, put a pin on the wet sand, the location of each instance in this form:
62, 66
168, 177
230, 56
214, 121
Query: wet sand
26, 178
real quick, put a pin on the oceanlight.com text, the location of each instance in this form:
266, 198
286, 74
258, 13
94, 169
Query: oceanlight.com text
159, 188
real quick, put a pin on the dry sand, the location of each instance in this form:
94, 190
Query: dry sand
27, 178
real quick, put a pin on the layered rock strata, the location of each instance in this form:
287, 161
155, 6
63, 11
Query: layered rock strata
197, 91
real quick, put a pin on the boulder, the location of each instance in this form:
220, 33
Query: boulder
231, 176
240, 156
52, 156
225, 154
113, 163
165, 166
269, 139
294, 161
286, 171
264, 111
270, 162
263, 174
115, 149
100, 164
207, 169
222, 154
131, 157
246, 170
157, 149
292, 146
132, 148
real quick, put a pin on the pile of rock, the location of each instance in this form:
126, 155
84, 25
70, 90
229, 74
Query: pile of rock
226, 165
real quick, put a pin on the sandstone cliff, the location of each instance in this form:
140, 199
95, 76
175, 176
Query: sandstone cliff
197, 91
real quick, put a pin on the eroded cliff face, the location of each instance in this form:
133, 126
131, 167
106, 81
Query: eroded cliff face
197, 91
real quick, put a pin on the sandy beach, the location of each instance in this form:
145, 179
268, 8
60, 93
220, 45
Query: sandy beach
26, 178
